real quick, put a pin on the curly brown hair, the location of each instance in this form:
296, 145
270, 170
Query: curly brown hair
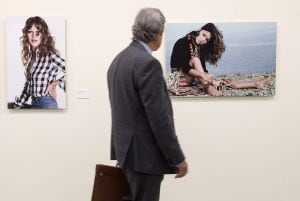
47, 42
212, 51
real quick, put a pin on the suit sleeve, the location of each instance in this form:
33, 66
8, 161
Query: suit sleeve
157, 104
112, 149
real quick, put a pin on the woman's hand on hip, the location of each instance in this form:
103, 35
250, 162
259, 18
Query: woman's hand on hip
51, 89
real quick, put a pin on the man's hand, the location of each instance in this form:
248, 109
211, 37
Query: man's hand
181, 169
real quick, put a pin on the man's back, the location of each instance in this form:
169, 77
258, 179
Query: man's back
122, 82
143, 139
143, 136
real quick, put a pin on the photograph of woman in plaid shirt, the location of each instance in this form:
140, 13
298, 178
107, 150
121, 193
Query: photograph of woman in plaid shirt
44, 67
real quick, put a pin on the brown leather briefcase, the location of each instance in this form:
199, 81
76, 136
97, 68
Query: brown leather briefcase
110, 184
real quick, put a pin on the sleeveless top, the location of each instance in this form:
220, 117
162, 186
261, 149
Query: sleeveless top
184, 49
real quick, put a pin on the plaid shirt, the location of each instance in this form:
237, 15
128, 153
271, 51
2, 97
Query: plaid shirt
44, 71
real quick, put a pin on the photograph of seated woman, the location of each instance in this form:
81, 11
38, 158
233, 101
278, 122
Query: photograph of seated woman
189, 56
44, 67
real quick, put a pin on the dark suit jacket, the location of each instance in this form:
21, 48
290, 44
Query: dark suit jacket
143, 136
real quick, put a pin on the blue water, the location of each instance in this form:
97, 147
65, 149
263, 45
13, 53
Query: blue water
250, 46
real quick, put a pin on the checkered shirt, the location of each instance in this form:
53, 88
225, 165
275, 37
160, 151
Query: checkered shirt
44, 71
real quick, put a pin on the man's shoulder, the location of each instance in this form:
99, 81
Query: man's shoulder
137, 52
133, 57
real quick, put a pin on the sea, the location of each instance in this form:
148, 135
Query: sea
250, 46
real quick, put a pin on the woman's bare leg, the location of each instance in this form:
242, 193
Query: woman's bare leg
189, 79
196, 63
210, 89
257, 84
198, 71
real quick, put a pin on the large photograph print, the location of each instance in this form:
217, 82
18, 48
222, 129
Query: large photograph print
221, 59
35, 50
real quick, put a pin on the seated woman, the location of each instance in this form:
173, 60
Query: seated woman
191, 52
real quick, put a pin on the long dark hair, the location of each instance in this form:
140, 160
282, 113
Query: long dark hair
47, 42
212, 51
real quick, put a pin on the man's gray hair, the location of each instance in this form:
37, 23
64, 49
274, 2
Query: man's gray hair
149, 23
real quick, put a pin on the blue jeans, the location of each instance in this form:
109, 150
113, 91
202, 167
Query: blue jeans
44, 102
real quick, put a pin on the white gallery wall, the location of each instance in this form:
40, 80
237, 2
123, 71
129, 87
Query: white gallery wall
238, 149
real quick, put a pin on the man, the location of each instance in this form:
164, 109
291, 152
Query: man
143, 138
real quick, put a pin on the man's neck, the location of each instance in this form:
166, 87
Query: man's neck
152, 45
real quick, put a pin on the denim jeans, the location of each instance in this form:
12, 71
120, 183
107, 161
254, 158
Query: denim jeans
44, 102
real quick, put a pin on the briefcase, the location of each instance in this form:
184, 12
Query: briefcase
110, 184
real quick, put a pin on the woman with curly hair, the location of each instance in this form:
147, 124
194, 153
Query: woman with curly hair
44, 67
191, 52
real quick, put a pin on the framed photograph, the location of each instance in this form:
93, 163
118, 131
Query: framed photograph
35, 59
221, 59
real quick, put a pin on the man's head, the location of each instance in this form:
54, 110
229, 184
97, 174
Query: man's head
149, 26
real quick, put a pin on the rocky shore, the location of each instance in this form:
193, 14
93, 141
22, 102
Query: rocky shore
267, 90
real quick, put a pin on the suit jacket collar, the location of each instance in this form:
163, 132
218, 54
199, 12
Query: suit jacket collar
139, 45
